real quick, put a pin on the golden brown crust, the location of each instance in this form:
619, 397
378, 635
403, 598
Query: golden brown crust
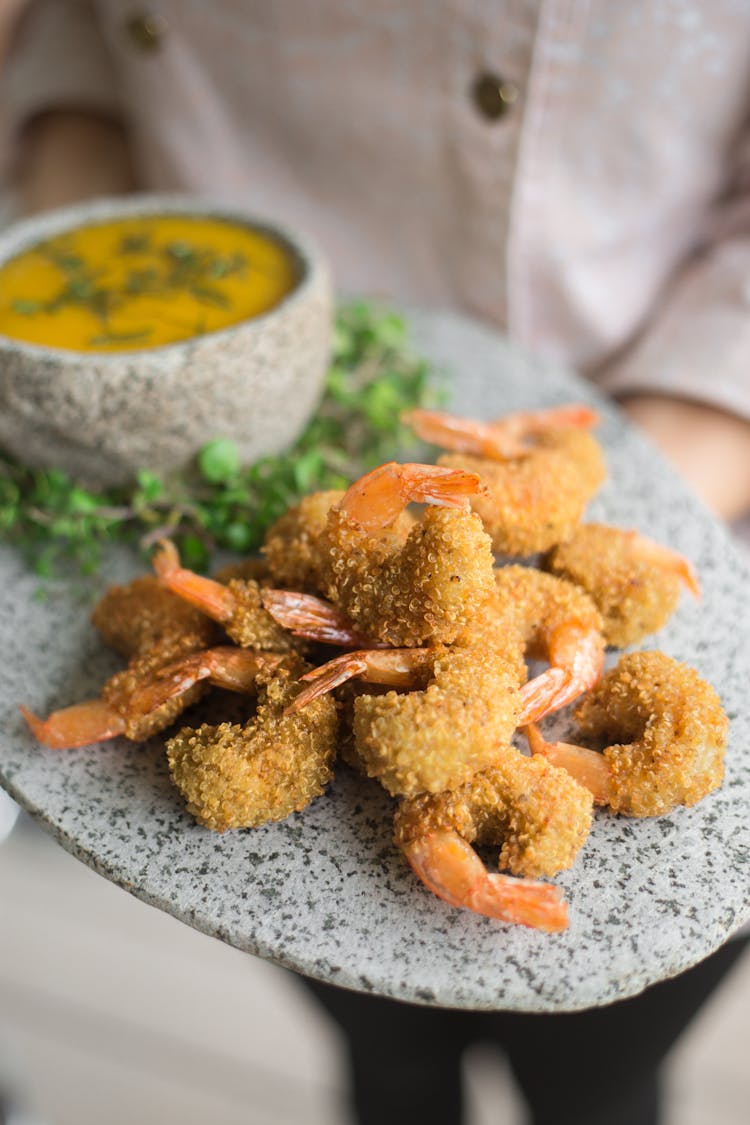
235, 776
536, 813
665, 731
142, 614
410, 589
634, 596
537, 605
292, 545
252, 626
119, 691
535, 501
440, 736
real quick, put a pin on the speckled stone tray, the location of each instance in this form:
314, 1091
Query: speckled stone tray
325, 892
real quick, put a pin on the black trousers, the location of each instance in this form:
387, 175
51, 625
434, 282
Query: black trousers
597, 1067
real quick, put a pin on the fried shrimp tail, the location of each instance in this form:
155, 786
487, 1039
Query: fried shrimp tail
144, 700
588, 767
214, 599
393, 667
79, 725
667, 560
376, 500
576, 652
505, 438
313, 618
451, 869
238, 606
234, 669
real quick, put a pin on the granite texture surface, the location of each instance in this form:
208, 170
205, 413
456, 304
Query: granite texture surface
325, 892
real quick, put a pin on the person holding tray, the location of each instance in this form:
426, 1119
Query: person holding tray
575, 175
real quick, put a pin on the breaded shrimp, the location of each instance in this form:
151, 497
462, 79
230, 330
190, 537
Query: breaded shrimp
292, 544
408, 589
539, 817
143, 614
461, 709
555, 621
540, 468
671, 733
149, 694
235, 776
238, 606
634, 581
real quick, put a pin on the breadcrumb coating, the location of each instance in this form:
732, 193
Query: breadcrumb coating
665, 732
539, 605
136, 617
408, 589
292, 544
538, 815
235, 776
251, 625
119, 691
634, 597
438, 737
535, 501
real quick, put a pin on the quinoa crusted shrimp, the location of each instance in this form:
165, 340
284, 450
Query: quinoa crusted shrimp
537, 814
149, 694
541, 469
406, 588
237, 606
143, 614
665, 733
460, 708
555, 621
537, 817
292, 545
635, 582
235, 776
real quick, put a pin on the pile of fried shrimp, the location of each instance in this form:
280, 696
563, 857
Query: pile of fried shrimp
395, 641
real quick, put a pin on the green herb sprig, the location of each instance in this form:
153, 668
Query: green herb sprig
374, 376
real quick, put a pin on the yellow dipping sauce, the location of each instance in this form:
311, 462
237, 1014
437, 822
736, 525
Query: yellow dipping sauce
141, 282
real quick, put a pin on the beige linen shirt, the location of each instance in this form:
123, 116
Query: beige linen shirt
601, 220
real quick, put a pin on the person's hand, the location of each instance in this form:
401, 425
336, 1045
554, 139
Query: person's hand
67, 156
709, 447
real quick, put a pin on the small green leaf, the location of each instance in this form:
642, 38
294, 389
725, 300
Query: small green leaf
219, 460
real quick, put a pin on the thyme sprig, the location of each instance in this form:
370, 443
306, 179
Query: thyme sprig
220, 503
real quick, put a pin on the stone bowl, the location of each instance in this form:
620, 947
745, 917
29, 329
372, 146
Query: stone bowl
103, 416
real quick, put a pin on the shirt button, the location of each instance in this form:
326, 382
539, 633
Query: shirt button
146, 30
493, 96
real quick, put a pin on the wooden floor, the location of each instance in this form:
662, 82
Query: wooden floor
111, 1011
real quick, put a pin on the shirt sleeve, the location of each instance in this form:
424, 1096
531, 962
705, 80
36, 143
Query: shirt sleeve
57, 58
698, 344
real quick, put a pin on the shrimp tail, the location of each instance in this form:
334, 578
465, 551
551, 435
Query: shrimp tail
377, 499
234, 669
451, 869
313, 618
588, 767
214, 599
79, 725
